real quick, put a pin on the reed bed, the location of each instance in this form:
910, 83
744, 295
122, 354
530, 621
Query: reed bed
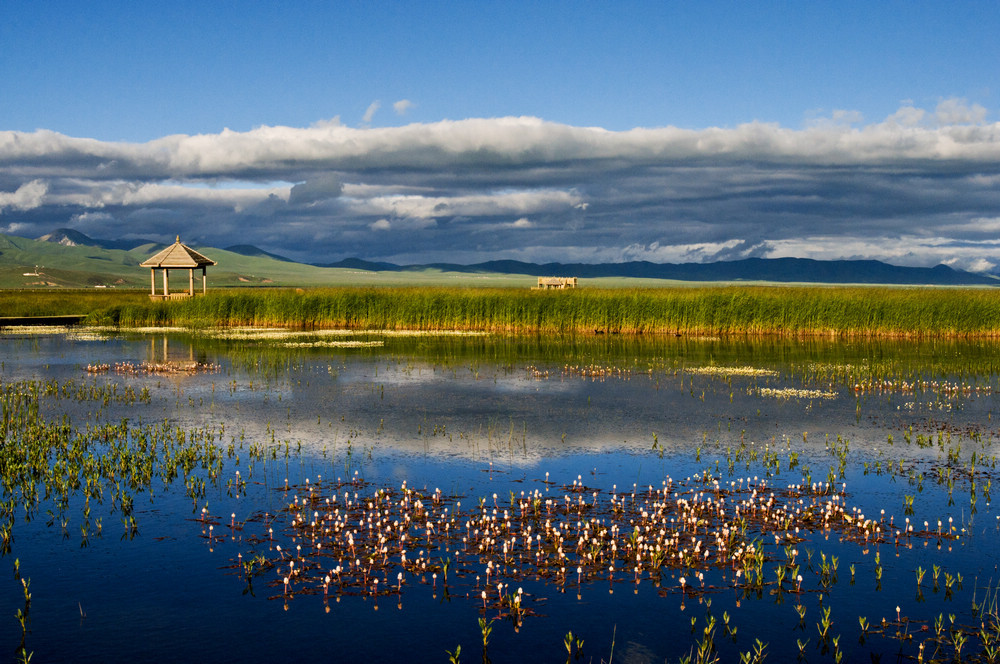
21, 303
744, 310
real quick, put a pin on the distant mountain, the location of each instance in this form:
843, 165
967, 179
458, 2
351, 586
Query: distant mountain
782, 270
68, 237
369, 266
256, 252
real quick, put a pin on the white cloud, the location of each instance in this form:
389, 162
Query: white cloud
905, 189
27, 197
17, 229
656, 252
495, 205
837, 118
324, 124
958, 111
989, 226
907, 116
492, 143
981, 265
127, 194
842, 116
373, 107
402, 106
92, 217
91, 221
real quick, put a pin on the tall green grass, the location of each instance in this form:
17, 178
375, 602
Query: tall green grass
709, 310
61, 302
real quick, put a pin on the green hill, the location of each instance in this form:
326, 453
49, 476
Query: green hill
37, 264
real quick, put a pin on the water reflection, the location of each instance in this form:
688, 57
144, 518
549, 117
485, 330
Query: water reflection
483, 415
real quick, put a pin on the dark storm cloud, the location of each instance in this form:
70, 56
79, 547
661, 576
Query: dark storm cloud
319, 188
918, 188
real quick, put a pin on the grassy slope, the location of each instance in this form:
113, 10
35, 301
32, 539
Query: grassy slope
87, 267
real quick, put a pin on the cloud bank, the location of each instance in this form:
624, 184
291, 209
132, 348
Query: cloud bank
917, 188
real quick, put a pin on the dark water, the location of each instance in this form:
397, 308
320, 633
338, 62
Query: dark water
475, 417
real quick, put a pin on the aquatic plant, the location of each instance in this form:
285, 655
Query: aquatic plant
697, 310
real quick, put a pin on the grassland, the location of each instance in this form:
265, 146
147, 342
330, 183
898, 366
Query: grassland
44, 266
885, 312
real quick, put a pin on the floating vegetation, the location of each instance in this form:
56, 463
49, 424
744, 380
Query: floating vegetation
86, 335
145, 368
598, 372
281, 333
148, 330
794, 393
270, 333
944, 388
944, 406
689, 539
595, 372
730, 371
33, 330
333, 344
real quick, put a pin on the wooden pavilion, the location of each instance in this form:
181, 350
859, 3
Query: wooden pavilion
177, 256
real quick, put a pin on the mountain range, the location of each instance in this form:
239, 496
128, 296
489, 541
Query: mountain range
66, 257
785, 270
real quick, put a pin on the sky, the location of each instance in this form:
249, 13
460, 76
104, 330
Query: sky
540, 131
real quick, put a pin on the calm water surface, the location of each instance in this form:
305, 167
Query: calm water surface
478, 416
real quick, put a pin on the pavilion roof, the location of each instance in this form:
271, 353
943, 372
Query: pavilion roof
177, 255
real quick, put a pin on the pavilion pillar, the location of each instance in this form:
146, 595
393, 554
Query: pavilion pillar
191, 282
204, 280
166, 290
152, 280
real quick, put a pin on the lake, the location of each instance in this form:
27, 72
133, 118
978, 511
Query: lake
259, 494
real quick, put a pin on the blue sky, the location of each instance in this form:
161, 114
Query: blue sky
552, 131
